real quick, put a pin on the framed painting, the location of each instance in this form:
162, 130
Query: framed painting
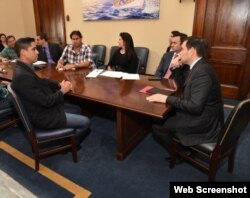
120, 9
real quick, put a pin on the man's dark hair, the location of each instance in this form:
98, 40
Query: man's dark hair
175, 33
200, 45
75, 32
43, 36
23, 43
9, 37
183, 36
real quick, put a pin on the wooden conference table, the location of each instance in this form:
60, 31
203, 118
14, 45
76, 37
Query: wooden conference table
134, 114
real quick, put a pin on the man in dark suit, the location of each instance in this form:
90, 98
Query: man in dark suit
48, 52
173, 34
42, 98
167, 68
198, 113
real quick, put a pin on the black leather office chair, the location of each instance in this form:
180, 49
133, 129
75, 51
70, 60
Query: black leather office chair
55, 140
142, 53
100, 51
8, 117
94, 58
207, 156
112, 51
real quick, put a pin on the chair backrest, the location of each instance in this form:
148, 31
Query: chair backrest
8, 117
94, 59
112, 51
234, 125
20, 109
100, 51
142, 54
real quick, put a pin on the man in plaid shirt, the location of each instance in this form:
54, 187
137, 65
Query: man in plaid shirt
9, 51
75, 56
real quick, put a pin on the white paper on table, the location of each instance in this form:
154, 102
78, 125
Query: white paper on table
94, 73
113, 74
127, 76
39, 63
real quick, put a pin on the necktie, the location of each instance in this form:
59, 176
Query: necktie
188, 72
45, 55
169, 72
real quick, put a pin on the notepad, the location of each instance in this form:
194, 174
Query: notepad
127, 76
113, 74
94, 73
39, 63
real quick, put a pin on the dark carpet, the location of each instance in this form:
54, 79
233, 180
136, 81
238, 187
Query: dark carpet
143, 174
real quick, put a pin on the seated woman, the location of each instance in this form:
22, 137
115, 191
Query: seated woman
124, 59
3, 43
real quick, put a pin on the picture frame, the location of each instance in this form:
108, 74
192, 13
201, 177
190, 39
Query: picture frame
120, 9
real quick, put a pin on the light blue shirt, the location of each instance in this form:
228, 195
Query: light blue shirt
46, 48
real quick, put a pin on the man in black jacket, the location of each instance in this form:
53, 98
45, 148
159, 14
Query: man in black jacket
167, 68
48, 52
42, 98
198, 113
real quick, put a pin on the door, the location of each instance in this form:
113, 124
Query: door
49, 17
225, 24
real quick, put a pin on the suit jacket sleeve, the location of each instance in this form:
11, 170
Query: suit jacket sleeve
51, 83
37, 92
59, 51
40, 55
164, 64
55, 51
195, 93
159, 70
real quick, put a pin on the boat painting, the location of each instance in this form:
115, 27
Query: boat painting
120, 9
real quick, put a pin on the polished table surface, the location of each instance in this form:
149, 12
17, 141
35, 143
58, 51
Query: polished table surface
111, 91
132, 108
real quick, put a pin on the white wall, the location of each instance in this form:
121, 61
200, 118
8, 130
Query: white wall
148, 33
18, 19
28, 18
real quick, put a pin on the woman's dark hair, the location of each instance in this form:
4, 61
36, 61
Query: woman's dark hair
129, 44
2, 34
